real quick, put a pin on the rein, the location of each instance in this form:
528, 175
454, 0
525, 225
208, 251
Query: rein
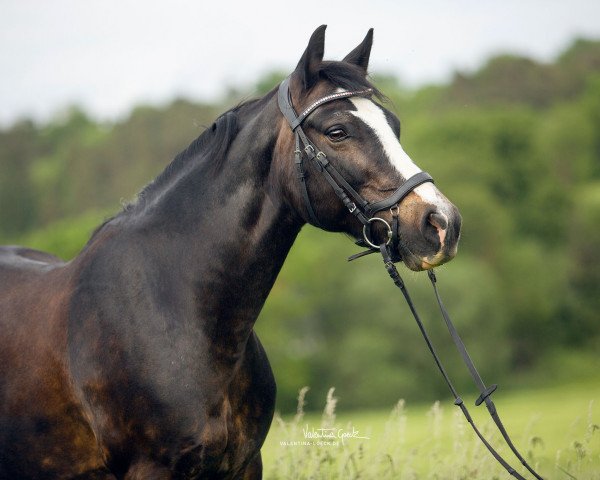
364, 212
485, 392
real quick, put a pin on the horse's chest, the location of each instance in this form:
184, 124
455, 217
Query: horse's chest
221, 433
224, 448
232, 436
228, 439
193, 413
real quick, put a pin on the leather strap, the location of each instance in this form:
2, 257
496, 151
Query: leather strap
302, 176
329, 172
363, 211
328, 98
402, 191
303, 145
395, 276
485, 392
285, 102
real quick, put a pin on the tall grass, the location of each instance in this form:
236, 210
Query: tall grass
434, 445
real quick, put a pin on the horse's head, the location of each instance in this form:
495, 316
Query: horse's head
360, 139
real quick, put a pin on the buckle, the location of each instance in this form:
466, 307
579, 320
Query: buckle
322, 158
310, 151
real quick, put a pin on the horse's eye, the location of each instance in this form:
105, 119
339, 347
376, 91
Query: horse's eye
336, 134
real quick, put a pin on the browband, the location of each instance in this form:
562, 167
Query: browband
285, 103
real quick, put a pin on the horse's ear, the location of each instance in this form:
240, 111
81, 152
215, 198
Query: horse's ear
360, 55
308, 66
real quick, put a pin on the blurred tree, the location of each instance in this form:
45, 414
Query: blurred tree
583, 303
507, 79
267, 82
580, 61
516, 145
18, 210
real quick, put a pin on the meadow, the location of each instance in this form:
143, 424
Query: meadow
555, 428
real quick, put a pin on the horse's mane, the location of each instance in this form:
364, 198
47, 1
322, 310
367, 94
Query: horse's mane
347, 76
211, 146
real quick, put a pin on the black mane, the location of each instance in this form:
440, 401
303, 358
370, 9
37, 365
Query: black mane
347, 76
211, 146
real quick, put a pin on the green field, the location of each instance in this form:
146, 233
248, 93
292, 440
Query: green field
556, 428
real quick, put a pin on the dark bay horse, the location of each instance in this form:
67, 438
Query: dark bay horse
137, 359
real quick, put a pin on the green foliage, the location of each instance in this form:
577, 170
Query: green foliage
17, 203
515, 145
584, 267
267, 82
66, 237
509, 79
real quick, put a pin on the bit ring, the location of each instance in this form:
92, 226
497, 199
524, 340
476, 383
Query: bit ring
366, 237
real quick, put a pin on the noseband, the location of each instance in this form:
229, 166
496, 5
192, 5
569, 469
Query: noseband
363, 210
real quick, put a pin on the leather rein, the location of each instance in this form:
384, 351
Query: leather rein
390, 250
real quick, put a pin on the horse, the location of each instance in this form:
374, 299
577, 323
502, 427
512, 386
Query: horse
137, 358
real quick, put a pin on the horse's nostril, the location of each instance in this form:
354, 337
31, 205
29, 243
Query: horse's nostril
438, 220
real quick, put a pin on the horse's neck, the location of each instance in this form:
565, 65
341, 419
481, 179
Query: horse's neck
222, 238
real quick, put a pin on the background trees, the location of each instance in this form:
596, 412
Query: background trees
516, 145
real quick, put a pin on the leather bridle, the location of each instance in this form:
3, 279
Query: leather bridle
364, 211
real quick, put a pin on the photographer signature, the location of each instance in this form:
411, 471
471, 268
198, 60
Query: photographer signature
331, 433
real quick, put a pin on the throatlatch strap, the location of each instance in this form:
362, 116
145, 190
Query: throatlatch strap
395, 276
302, 176
485, 392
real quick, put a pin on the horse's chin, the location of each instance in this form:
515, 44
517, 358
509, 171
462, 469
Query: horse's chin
418, 264
415, 263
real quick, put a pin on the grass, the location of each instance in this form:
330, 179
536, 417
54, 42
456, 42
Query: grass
556, 430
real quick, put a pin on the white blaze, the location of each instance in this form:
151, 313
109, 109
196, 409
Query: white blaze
374, 117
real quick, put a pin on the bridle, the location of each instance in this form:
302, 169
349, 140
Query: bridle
364, 211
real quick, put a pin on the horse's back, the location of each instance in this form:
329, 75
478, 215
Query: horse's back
40, 418
27, 278
14, 258
15, 254
22, 264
